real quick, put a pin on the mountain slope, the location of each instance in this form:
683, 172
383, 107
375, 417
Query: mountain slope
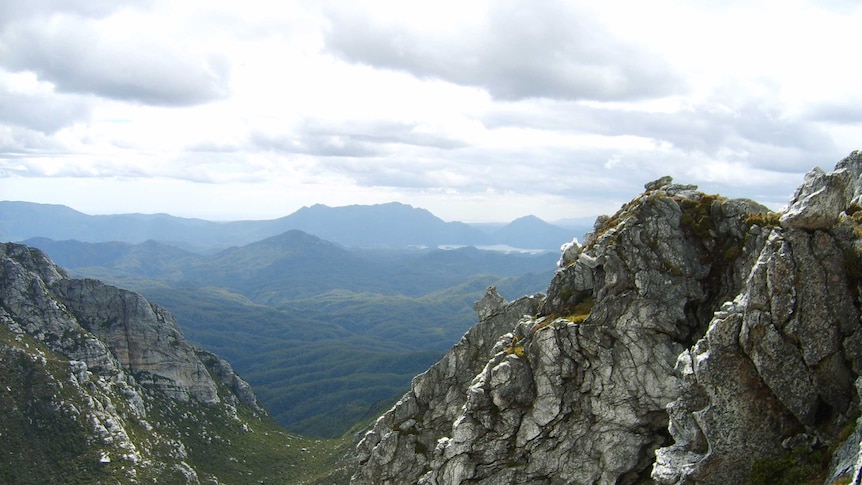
382, 225
99, 386
692, 339
23, 220
531, 232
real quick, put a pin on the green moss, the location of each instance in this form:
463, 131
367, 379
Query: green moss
732, 252
763, 219
696, 217
799, 467
582, 310
670, 268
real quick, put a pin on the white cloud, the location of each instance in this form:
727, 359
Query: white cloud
477, 110
516, 50
127, 56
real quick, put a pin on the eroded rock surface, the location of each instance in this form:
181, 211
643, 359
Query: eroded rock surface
576, 392
691, 339
776, 372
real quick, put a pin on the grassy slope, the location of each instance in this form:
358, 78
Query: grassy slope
44, 441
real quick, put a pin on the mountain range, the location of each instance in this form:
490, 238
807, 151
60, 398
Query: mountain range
392, 225
324, 333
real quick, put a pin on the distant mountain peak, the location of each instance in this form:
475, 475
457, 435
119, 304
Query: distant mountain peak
385, 225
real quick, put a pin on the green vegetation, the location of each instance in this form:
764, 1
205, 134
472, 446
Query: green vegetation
325, 336
248, 448
797, 467
582, 310
42, 442
315, 374
47, 439
763, 219
696, 217
854, 212
579, 314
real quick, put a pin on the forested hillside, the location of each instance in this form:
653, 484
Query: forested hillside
328, 336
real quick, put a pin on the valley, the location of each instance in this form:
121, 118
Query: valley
327, 335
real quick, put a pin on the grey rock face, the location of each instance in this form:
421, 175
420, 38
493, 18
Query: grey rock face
577, 392
690, 340
94, 362
399, 447
107, 328
778, 366
819, 201
224, 371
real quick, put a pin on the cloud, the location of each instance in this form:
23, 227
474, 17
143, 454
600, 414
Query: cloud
848, 112
356, 138
46, 113
318, 145
121, 57
519, 50
759, 136
19, 144
12, 11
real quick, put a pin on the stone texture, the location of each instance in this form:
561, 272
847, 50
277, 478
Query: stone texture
105, 329
686, 342
819, 201
777, 369
399, 447
564, 397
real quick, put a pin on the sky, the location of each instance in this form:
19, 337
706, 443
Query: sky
475, 110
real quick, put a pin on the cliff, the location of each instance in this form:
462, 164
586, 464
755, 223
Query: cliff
691, 339
97, 385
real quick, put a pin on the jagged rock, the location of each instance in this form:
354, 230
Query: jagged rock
570, 252
658, 183
224, 371
819, 201
578, 395
399, 447
490, 304
143, 337
853, 164
107, 328
690, 340
779, 361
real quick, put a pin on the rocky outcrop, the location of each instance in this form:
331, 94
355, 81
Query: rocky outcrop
106, 328
92, 379
399, 447
691, 339
775, 376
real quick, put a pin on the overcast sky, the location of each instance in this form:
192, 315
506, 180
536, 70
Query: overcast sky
475, 110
